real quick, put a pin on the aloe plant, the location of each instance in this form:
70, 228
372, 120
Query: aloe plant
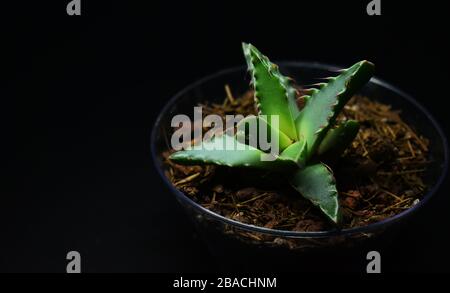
308, 137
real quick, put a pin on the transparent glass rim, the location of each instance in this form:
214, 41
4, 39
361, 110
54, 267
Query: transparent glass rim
299, 234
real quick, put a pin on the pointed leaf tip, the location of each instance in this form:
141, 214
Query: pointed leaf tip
274, 94
316, 183
321, 110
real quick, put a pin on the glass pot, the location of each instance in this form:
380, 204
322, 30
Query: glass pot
236, 243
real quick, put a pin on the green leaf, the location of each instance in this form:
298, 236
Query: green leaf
296, 152
316, 183
322, 108
338, 139
246, 134
225, 150
274, 94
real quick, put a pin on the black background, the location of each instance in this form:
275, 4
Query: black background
82, 93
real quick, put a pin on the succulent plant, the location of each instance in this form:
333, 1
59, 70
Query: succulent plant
307, 137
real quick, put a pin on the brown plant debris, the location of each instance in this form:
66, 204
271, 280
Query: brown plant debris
379, 176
